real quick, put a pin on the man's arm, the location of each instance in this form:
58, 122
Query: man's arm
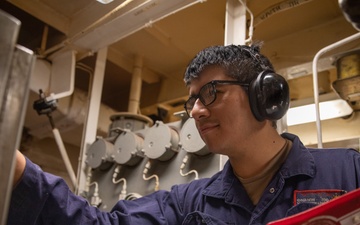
20, 164
42, 198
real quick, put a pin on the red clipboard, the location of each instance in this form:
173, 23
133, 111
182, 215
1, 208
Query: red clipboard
343, 210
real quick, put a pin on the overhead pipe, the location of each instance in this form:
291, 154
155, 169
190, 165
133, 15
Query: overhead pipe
136, 83
315, 80
251, 26
62, 83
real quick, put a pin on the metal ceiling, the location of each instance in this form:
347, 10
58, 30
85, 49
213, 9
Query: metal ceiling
293, 31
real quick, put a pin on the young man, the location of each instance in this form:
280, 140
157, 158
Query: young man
235, 97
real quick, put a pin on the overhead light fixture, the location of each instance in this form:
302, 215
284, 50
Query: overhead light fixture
104, 1
328, 110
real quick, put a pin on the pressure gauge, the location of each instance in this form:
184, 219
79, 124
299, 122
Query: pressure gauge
128, 148
190, 139
99, 152
161, 142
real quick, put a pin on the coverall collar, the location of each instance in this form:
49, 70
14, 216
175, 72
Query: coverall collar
299, 162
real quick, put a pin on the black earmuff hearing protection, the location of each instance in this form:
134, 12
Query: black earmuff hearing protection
268, 94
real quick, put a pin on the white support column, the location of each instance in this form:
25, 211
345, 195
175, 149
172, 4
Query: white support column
235, 23
235, 33
91, 123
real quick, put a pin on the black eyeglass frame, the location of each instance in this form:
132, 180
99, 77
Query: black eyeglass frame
213, 83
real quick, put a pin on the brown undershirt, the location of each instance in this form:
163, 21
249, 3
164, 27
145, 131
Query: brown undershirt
256, 185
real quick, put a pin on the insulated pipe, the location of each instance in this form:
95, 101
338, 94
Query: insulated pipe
62, 83
65, 156
251, 26
315, 80
136, 82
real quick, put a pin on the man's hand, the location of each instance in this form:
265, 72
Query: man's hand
19, 167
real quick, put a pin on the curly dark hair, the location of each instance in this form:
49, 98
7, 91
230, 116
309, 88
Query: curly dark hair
240, 62
243, 63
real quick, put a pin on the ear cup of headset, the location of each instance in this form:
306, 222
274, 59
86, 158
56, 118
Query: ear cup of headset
269, 96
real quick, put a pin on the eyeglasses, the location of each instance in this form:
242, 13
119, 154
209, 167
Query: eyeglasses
207, 94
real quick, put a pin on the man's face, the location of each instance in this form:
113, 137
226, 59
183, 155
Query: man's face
226, 123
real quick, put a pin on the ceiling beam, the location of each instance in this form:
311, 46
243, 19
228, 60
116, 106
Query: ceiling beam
44, 13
